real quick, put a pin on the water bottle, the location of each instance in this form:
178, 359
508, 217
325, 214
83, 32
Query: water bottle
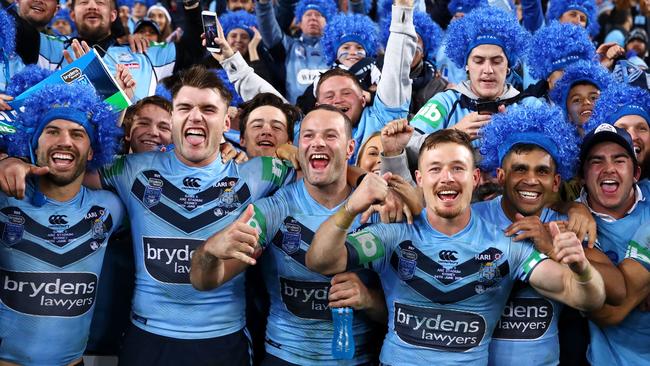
343, 338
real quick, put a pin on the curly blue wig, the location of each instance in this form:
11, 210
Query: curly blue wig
581, 72
349, 28
238, 19
7, 33
465, 6
556, 46
327, 8
428, 30
26, 78
72, 102
617, 101
236, 98
543, 126
485, 25
556, 8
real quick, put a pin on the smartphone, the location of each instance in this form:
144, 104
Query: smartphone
210, 29
487, 107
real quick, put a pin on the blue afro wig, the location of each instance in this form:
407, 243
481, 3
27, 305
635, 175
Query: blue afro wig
617, 101
327, 8
465, 6
236, 98
238, 19
7, 33
73, 102
485, 25
543, 126
556, 46
556, 8
26, 78
581, 72
428, 30
346, 28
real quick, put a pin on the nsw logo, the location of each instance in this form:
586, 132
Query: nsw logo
291, 238
191, 182
152, 192
407, 264
58, 220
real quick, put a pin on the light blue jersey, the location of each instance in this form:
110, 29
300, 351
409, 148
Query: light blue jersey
50, 260
528, 324
627, 343
146, 68
11, 65
300, 328
444, 293
173, 209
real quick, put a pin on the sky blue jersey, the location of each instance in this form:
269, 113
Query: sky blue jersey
173, 209
528, 324
50, 261
299, 313
444, 293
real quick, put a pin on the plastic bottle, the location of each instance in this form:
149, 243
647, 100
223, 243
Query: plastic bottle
343, 338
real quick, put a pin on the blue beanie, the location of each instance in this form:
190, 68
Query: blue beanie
580, 72
236, 98
428, 30
239, 19
556, 46
7, 33
349, 27
73, 102
617, 101
63, 14
465, 6
542, 125
485, 25
556, 8
327, 8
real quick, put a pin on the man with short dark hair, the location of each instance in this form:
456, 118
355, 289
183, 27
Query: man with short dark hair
148, 126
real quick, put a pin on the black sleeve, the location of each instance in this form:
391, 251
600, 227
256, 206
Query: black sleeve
28, 39
189, 49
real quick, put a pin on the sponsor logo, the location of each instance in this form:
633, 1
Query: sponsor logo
407, 264
58, 220
524, 318
48, 293
168, 259
291, 237
191, 182
307, 300
445, 330
448, 255
71, 75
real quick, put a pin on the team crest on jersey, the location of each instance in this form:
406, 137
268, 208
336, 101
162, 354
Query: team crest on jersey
407, 264
291, 238
99, 231
228, 199
152, 192
12, 233
489, 274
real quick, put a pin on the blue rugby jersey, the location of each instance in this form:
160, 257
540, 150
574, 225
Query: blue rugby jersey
50, 262
444, 293
528, 324
299, 328
173, 209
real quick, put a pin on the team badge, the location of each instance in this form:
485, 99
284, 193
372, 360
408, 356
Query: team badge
12, 233
228, 199
152, 192
291, 238
407, 264
489, 274
98, 229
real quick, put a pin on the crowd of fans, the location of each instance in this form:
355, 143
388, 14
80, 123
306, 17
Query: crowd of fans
470, 176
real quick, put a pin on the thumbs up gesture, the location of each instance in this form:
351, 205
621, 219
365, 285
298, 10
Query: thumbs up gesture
237, 241
568, 249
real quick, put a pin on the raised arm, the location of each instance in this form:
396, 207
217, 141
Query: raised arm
268, 25
572, 279
394, 88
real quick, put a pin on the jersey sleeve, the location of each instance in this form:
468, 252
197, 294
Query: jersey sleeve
525, 259
639, 247
371, 247
117, 177
433, 114
50, 52
267, 217
266, 174
116, 210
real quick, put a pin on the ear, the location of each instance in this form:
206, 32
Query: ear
637, 173
226, 123
350, 148
501, 176
418, 178
90, 154
557, 180
476, 177
113, 15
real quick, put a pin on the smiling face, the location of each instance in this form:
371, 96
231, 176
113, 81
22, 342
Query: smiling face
37, 12
266, 129
609, 175
370, 157
638, 129
529, 179
312, 23
159, 17
447, 177
349, 53
487, 67
580, 103
344, 94
324, 148
239, 39
151, 127
199, 120
93, 18
64, 147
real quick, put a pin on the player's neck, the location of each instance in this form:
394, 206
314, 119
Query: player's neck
330, 195
449, 226
57, 192
511, 211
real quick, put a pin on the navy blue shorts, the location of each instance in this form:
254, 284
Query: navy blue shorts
140, 348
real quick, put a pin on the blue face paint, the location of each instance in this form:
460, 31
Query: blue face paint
343, 54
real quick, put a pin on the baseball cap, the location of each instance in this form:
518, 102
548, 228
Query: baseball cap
146, 21
638, 34
607, 133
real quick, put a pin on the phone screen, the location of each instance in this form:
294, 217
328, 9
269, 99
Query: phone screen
210, 30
